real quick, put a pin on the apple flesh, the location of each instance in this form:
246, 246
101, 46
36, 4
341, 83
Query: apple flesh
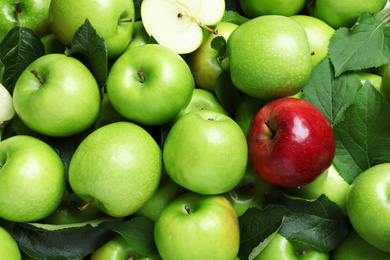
290, 142
7, 110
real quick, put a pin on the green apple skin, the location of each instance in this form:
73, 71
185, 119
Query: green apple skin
118, 167
205, 64
318, 33
343, 13
66, 103
282, 249
8, 247
375, 79
329, 183
52, 45
368, 205
32, 179
156, 97
66, 16
255, 8
355, 247
139, 36
269, 57
380, 70
33, 14
206, 152
207, 230
385, 84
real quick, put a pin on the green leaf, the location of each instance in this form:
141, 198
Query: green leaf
137, 9
329, 94
18, 49
91, 49
234, 17
319, 223
257, 228
152, 40
365, 45
219, 44
362, 138
138, 233
226, 92
53, 242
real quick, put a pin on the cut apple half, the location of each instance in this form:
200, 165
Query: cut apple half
181, 24
7, 110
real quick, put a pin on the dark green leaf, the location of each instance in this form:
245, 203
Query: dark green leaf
138, 233
232, 5
366, 45
362, 138
319, 223
19, 48
91, 49
384, 16
219, 44
234, 17
257, 228
152, 40
52, 242
329, 94
2, 68
226, 92
137, 9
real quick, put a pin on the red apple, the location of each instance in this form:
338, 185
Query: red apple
290, 142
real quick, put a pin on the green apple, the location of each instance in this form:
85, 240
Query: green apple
206, 152
318, 33
368, 206
375, 79
269, 57
107, 113
344, 13
205, 63
254, 8
117, 168
112, 19
385, 84
181, 24
56, 101
150, 84
32, 14
139, 36
282, 249
8, 247
52, 44
7, 110
381, 69
329, 183
356, 248
196, 226
32, 179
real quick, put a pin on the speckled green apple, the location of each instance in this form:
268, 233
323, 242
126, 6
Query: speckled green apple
57, 101
269, 57
32, 179
8, 247
112, 19
117, 167
254, 8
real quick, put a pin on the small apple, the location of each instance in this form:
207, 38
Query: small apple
318, 33
112, 19
205, 63
368, 206
150, 84
345, 13
51, 99
282, 249
385, 84
196, 226
269, 57
7, 110
205, 152
375, 79
254, 8
181, 25
32, 14
32, 179
8, 247
52, 45
139, 36
117, 168
290, 142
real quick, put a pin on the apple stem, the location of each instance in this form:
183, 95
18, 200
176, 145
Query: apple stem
130, 258
87, 205
140, 75
187, 208
313, 53
300, 253
269, 127
17, 11
33, 71
126, 20
209, 29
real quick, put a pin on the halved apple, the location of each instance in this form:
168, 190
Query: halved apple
7, 110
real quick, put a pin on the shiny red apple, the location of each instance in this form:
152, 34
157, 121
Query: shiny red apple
290, 142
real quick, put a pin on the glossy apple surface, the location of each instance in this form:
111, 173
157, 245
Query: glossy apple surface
196, 226
64, 103
8, 247
269, 57
205, 152
254, 8
150, 84
290, 142
32, 179
118, 167
368, 206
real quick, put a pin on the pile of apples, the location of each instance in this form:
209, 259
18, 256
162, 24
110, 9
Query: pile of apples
159, 126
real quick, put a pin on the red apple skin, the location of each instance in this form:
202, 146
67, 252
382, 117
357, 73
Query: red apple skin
290, 142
